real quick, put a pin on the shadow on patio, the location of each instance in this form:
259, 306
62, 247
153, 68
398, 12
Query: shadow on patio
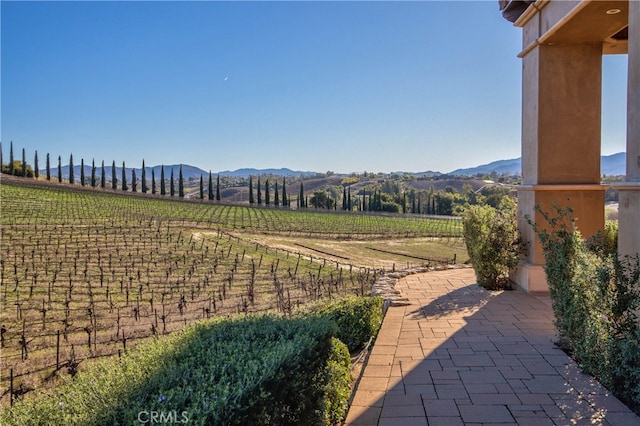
462, 355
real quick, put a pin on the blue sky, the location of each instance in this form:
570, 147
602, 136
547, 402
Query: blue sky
319, 86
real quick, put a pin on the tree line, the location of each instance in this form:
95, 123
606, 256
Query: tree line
382, 195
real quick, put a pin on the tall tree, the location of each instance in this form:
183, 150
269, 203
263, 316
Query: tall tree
24, 163
124, 177
11, 166
349, 198
413, 201
114, 176
276, 197
36, 172
163, 190
134, 181
172, 188
201, 188
251, 200
153, 181
301, 196
180, 183
82, 171
93, 173
59, 169
218, 188
344, 198
266, 192
285, 199
144, 178
72, 178
364, 200
259, 192
48, 167
210, 190
103, 179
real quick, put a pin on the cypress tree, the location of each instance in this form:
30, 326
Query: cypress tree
285, 199
251, 190
163, 190
82, 171
180, 183
36, 172
210, 191
349, 198
266, 192
24, 163
153, 181
344, 198
404, 202
301, 196
134, 181
276, 198
144, 178
413, 201
419, 203
48, 167
114, 177
364, 200
72, 178
218, 188
11, 168
201, 188
172, 188
59, 169
103, 179
124, 177
259, 192
93, 173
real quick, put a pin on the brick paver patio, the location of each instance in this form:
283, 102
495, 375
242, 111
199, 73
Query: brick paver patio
461, 355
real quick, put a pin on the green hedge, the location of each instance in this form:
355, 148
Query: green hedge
357, 318
250, 370
595, 297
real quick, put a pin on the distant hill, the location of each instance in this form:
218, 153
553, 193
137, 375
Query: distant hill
256, 172
188, 172
513, 167
610, 165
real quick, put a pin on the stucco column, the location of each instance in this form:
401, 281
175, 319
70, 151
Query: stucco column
561, 119
629, 191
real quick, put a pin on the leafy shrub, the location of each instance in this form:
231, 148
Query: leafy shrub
605, 242
357, 318
595, 298
493, 242
338, 379
262, 370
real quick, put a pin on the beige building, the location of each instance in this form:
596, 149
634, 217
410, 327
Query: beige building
562, 46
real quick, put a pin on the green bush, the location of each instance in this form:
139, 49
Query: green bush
338, 378
493, 242
605, 242
357, 318
262, 370
249, 370
595, 298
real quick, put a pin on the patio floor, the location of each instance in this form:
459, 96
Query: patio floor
461, 355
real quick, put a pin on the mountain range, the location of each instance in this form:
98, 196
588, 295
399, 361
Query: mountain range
610, 165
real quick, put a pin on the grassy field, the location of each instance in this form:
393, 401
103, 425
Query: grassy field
89, 273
